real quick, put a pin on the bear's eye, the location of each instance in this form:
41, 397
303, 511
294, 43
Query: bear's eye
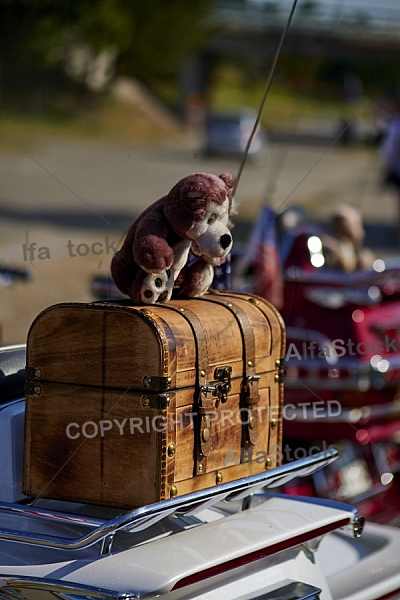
211, 219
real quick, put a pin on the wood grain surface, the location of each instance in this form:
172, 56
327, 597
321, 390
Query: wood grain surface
93, 436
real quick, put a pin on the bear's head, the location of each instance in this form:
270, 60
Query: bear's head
198, 209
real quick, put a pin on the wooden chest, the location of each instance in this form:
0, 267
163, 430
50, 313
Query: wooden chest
128, 405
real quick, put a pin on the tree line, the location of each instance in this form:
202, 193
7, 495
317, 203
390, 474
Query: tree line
42, 41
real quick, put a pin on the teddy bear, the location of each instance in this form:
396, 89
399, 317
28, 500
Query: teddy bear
344, 249
177, 241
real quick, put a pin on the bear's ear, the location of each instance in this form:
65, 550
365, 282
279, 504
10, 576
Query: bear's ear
228, 179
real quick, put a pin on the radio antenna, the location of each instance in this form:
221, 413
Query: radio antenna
265, 94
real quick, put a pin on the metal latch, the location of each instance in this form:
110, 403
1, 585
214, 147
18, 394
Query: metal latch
223, 387
32, 388
158, 401
33, 372
158, 384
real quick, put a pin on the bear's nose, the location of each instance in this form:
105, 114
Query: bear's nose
225, 240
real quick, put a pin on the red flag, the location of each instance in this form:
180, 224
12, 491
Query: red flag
263, 256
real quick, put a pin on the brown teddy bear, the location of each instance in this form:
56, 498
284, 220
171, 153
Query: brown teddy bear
193, 216
344, 249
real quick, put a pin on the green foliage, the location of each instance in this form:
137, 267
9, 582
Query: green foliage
164, 33
150, 38
308, 8
36, 32
284, 106
106, 23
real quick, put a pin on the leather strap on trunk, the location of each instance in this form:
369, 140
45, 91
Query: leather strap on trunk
249, 397
262, 304
204, 399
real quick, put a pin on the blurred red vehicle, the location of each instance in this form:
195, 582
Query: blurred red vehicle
342, 373
367, 471
343, 328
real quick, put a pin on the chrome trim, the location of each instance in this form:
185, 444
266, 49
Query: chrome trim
12, 586
358, 525
352, 364
326, 275
50, 515
12, 347
331, 276
143, 517
307, 335
362, 376
363, 414
295, 590
359, 383
336, 385
336, 298
358, 522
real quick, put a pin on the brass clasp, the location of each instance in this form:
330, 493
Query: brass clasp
223, 387
207, 389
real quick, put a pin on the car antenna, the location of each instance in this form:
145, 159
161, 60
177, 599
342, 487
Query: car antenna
271, 182
265, 94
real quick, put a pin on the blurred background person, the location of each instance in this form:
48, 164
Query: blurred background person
390, 155
343, 248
